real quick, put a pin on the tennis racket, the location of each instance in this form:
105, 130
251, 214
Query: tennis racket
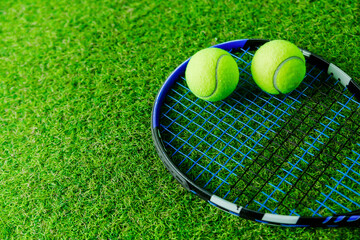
290, 160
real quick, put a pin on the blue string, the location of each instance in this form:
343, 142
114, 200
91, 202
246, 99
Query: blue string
333, 189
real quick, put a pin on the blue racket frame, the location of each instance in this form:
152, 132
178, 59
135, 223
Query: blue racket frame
348, 219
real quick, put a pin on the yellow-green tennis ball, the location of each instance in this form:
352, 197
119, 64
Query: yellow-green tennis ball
212, 74
278, 67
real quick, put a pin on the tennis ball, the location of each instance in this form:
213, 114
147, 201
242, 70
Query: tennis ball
212, 74
278, 67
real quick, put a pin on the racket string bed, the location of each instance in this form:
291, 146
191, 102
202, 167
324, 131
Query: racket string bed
280, 145
334, 158
313, 179
322, 172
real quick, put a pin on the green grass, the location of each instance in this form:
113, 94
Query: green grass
77, 84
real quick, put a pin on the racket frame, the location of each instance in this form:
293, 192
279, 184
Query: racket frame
351, 219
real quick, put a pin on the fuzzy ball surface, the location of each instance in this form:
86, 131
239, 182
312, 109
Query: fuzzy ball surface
212, 74
278, 66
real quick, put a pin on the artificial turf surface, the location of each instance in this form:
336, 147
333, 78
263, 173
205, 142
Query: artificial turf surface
77, 84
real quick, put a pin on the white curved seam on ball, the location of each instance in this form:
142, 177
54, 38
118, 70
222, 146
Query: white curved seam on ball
216, 77
279, 67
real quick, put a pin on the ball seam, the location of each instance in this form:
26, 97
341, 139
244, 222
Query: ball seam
279, 67
216, 75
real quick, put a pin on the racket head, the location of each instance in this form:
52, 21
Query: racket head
258, 197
